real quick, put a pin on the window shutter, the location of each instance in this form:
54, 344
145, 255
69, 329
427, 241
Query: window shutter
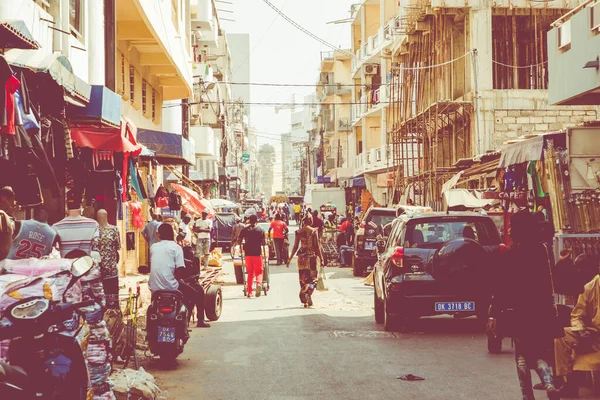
157, 107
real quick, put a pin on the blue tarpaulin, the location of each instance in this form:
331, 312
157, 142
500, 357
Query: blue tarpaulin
170, 148
104, 107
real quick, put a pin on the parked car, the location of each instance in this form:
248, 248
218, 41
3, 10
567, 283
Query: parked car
436, 263
365, 238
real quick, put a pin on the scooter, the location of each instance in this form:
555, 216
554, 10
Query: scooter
167, 324
46, 360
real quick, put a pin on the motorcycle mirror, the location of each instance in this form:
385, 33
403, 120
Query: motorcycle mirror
81, 266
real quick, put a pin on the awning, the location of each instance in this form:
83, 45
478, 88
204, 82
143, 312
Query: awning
122, 139
192, 203
57, 66
526, 150
14, 34
170, 148
358, 181
146, 152
466, 199
104, 107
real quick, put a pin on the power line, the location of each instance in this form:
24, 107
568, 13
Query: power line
303, 84
273, 104
306, 31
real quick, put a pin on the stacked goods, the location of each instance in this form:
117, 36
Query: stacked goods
132, 384
98, 358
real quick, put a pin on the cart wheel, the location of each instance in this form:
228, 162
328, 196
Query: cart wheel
213, 302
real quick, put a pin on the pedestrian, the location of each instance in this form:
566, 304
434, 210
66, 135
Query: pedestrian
109, 244
307, 246
33, 238
317, 222
76, 232
235, 232
286, 212
184, 228
532, 322
278, 227
297, 213
150, 231
7, 225
203, 228
583, 336
253, 239
169, 266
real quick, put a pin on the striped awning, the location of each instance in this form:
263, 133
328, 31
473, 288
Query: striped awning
57, 66
15, 35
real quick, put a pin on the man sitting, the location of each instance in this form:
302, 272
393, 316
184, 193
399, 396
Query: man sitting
583, 336
168, 265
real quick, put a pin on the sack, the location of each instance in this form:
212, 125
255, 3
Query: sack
322, 282
174, 201
162, 202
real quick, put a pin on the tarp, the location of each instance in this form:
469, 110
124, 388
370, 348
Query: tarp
359, 181
173, 148
465, 198
57, 66
192, 203
224, 223
526, 150
221, 203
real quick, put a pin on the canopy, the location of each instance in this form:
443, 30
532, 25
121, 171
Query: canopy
57, 66
358, 181
221, 203
15, 35
192, 202
121, 139
172, 148
465, 199
531, 149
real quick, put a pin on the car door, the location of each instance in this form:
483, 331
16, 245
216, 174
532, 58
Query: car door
384, 264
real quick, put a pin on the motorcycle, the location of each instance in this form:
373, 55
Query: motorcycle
167, 324
46, 360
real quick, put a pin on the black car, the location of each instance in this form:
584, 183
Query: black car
365, 255
436, 263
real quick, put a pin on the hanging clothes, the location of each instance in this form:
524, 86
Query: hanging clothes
141, 183
103, 160
136, 214
5, 73
150, 180
134, 180
11, 86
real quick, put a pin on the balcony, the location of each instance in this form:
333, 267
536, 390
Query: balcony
360, 161
344, 125
376, 159
374, 44
206, 141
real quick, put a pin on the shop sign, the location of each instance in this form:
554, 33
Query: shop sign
515, 197
166, 212
328, 208
245, 158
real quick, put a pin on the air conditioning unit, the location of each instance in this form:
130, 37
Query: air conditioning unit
371, 69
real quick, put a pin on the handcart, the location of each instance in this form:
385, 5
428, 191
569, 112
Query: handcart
266, 283
330, 249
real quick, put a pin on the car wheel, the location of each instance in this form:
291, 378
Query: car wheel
213, 303
494, 344
356, 268
239, 274
378, 306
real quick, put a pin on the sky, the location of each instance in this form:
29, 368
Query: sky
280, 53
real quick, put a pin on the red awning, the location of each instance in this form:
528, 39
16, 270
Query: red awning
121, 139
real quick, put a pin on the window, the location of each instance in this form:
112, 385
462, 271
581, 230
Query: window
144, 97
44, 4
153, 104
75, 17
433, 234
131, 84
122, 83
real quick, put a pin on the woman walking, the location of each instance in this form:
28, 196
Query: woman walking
307, 245
109, 244
524, 306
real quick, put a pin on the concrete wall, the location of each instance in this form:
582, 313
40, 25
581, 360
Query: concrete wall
568, 79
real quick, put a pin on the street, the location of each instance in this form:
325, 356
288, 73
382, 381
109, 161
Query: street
272, 348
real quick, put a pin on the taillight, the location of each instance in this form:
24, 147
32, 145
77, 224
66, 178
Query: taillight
503, 248
166, 309
398, 256
362, 225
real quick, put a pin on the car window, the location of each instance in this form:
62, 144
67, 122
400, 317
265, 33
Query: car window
431, 234
394, 238
380, 219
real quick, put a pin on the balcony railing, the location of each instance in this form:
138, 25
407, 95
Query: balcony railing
344, 124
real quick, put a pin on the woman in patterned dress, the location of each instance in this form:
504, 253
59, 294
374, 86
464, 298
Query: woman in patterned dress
307, 245
109, 244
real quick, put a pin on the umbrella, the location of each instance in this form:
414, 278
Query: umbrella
192, 202
220, 203
15, 35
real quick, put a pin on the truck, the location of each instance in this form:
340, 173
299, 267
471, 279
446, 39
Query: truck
321, 196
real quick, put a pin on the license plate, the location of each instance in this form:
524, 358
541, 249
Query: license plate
370, 245
452, 306
166, 334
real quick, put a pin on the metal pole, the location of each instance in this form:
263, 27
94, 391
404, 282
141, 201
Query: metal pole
110, 43
479, 150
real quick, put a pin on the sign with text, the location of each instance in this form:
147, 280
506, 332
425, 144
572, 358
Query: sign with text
245, 158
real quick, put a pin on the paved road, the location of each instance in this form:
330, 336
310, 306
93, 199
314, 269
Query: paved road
272, 348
